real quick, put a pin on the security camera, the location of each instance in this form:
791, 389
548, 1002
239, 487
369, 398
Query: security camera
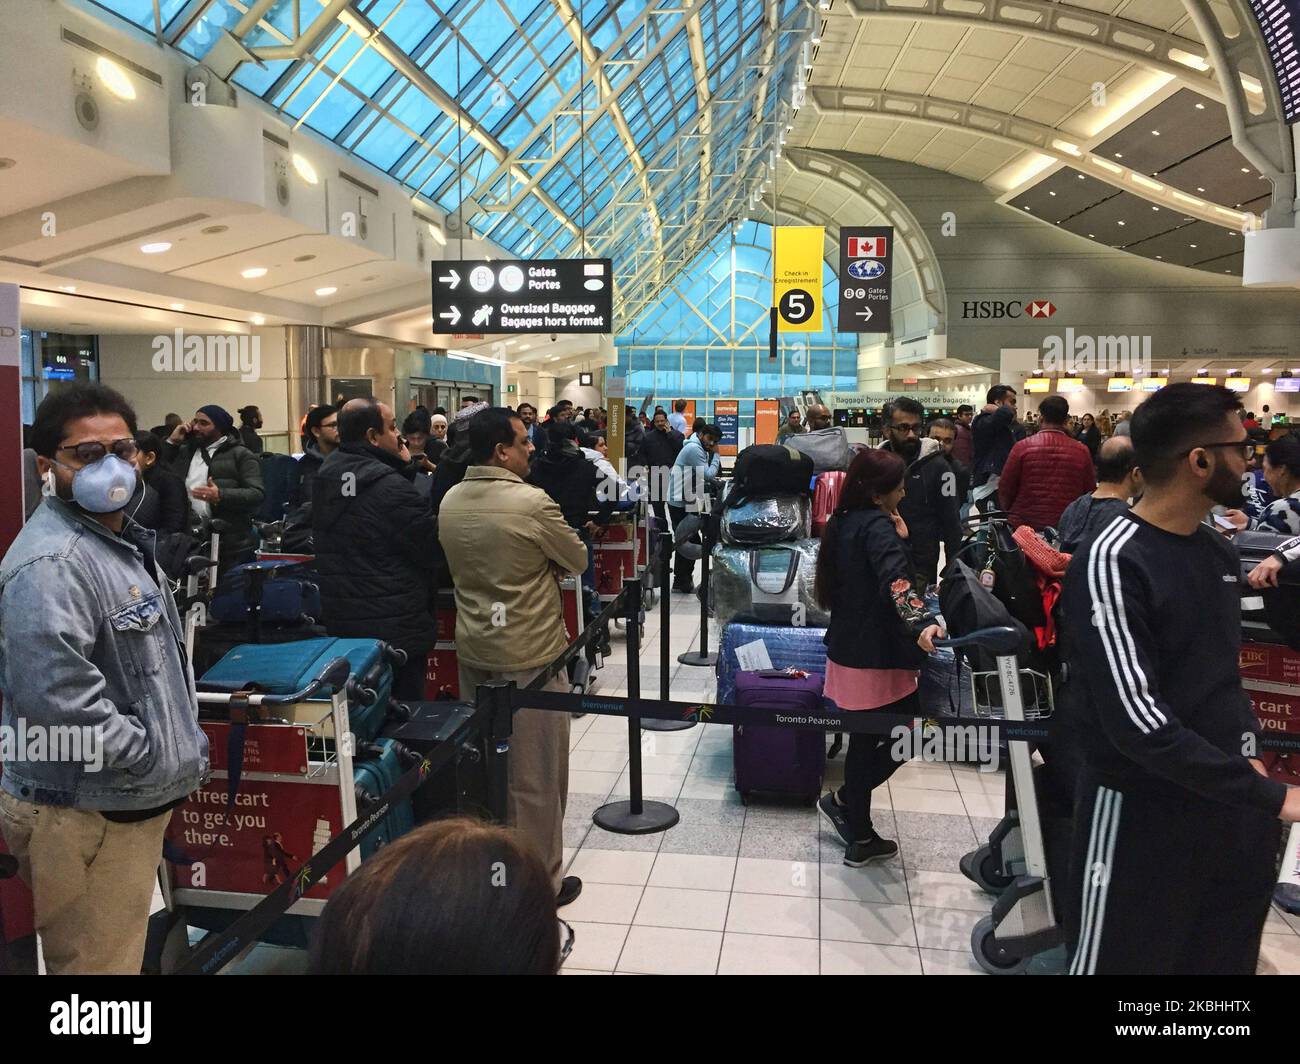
554, 337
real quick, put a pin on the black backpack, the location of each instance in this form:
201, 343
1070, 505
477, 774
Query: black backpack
995, 548
968, 605
766, 469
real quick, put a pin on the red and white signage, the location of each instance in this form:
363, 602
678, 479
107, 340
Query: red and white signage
867, 247
1040, 308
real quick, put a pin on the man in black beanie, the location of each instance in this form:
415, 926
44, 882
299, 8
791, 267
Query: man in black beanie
222, 476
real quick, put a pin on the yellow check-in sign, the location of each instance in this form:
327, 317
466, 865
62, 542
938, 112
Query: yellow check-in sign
797, 277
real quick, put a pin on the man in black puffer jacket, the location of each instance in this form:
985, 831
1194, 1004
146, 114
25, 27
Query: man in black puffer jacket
564, 473
376, 541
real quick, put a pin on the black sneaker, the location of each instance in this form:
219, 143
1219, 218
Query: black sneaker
858, 854
834, 812
571, 887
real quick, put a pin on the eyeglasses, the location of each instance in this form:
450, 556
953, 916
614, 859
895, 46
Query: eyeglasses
907, 430
567, 939
1245, 447
93, 450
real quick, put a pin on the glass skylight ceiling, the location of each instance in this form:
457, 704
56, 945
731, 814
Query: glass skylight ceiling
681, 103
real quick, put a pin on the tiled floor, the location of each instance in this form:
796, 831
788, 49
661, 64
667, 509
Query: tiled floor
762, 888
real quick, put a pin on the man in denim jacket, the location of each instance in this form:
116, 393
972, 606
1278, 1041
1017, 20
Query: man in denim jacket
99, 728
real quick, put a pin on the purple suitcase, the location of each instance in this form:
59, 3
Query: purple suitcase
773, 759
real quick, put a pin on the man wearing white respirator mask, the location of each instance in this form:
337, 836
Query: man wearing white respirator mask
99, 724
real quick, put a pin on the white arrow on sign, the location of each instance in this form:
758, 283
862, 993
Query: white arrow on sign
865, 315
452, 315
450, 279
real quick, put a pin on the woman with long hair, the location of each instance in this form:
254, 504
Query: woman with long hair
879, 633
1089, 434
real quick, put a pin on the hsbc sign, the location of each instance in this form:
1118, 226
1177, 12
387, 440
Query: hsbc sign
1016, 308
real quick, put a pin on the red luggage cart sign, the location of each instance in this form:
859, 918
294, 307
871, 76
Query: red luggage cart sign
266, 749
254, 845
442, 674
1277, 706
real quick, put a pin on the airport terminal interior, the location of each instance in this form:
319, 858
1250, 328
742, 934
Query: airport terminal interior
756, 248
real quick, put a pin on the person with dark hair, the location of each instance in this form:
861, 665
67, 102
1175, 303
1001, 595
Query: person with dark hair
792, 426
505, 541
376, 541
415, 431
92, 657
164, 430
633, 439
963, 449
469, 400
661, 446
1045, 472
566, 476
993, 433
931, 505
879, 633
1090, 434
944, 430
1282, 475
1176, 826
454, 897
250, 420
536, 432
1118, 481
223, 477
691, 481
677, 419
456, 459
159, 502
322, 430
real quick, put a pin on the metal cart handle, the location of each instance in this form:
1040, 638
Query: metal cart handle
332, 677
998, 641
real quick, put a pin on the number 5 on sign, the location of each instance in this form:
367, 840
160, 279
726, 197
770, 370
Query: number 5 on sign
797, 277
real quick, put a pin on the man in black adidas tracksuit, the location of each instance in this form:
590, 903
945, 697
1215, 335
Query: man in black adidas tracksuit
1176, 826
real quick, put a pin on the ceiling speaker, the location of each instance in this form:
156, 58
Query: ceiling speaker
87, 111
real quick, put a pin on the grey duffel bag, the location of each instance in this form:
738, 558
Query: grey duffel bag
828, 448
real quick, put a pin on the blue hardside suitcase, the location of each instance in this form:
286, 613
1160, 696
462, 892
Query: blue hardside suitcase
288, 595
376, 768
282, 668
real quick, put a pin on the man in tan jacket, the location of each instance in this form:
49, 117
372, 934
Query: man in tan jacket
507, 544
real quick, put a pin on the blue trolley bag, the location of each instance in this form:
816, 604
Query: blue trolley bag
376, 768
282, 668
288, 595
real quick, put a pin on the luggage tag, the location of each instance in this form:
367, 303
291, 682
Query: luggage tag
987, 576
789, 672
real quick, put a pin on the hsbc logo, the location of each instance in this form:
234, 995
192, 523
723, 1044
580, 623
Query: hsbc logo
996, 308
867, 247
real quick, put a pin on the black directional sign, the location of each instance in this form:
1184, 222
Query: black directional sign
866, 278
1279, 21
524, 296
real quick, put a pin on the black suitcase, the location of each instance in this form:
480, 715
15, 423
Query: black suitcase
465, 787
1268, 615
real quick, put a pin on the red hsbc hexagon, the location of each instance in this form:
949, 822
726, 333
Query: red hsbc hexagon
1040, 308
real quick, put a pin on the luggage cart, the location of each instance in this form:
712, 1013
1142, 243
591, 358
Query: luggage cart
1023, 922
297, 792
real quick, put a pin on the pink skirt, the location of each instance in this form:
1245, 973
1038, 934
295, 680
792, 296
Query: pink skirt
853, 689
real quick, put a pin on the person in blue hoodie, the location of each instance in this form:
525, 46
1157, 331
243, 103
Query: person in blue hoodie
693, 476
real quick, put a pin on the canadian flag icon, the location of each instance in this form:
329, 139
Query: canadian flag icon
1040, 308
867, 247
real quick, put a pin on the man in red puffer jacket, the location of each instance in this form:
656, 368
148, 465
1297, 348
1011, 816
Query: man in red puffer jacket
1047, 471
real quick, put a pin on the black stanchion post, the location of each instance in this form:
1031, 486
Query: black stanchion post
702, 657
496, 699
665, 624
635, 816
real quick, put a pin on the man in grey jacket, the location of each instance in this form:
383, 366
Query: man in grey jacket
99, 728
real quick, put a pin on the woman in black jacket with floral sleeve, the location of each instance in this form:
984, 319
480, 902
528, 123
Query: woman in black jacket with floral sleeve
879, 633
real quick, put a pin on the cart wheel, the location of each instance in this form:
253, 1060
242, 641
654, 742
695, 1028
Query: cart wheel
982, 868
989, 955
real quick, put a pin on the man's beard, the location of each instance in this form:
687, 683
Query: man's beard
1224, 487
908, 448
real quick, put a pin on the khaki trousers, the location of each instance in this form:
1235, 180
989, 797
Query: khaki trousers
92, 883
538, 767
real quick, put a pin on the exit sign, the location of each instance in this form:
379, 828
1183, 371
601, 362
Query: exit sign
510, 387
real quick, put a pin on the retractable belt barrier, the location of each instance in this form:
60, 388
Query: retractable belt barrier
497, 704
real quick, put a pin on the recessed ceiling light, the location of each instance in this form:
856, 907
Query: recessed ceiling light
1155, 132
1092, 234
1200, 107
1161, 257
1051, 193
257, 319
1031, 212
253, 272
1191, 245
1080, 176
115, 79
213, 230
329, 290
303, 258
67, 288
305, 169
1199, 189
178, 306
1119, 155
1155, 208
156, 248
1121, 222
1245, 169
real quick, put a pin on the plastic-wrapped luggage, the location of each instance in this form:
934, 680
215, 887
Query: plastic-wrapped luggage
800, 648
763, 521
774, 759
767, 585
826, 496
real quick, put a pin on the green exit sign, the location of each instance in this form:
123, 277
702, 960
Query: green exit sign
510, 387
